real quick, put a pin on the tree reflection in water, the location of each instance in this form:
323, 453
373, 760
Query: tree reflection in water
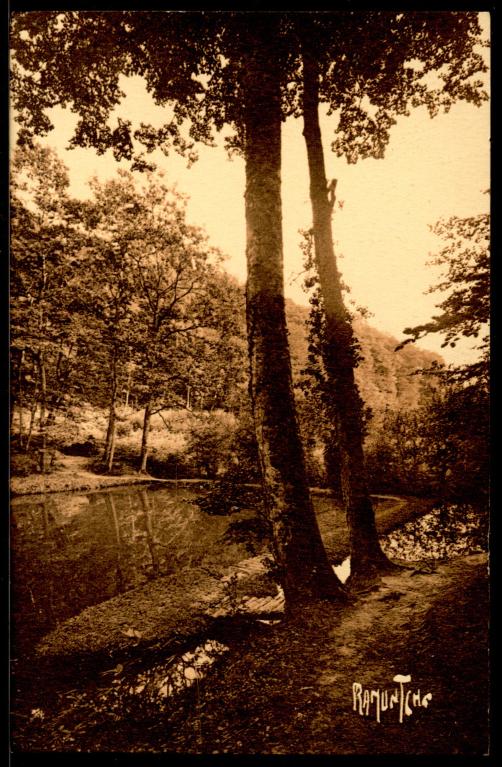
71, 551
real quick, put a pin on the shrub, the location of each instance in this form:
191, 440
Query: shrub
440, 449
24, 464
254, 533
210, 442
314, 463
229, 494
124, 428
88, 449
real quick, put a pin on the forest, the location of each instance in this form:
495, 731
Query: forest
142, 350
303, 440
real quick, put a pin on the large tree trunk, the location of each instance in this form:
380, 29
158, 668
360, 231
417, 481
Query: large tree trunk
304, 568
338, 349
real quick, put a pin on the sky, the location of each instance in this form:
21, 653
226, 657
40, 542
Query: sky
432, 169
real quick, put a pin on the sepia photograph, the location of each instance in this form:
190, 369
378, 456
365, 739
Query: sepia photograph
249, 383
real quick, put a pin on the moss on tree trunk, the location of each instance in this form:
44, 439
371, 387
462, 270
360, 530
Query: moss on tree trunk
338, 348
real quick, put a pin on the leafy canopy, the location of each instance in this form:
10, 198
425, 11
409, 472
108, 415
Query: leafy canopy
374, 66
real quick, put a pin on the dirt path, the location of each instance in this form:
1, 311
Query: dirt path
292, 692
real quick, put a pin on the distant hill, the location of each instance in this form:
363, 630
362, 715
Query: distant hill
385, 377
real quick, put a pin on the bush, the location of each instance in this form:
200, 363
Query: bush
24, 464
210, 442
254, 533
314, 463
136, 421
88, 449
229, 495
123, 429
440, 449
173, 466
244, 449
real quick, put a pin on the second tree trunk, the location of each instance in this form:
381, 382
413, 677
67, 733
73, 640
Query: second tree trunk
338, 348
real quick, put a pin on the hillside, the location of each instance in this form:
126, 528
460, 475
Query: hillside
385, 377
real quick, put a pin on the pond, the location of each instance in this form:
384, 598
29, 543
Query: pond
71, 551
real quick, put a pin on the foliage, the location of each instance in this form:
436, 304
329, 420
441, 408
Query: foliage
210, 440
443, 448
465, 312
165, 308
253, 532
440, 449
386, 379
229, 494
46, 335
22, 465
389, 382
245, 460
314, 372
178, 290
241, 70
197, 72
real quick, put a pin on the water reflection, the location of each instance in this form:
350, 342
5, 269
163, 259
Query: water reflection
76, 550
343, 569
156, 686
150, 537
160, 682
120, 574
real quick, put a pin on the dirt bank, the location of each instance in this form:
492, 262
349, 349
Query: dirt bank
71, 473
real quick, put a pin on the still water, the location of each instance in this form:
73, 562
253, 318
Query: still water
71, 551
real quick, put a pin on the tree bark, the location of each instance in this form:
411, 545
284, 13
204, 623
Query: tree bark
128, 389
17, 400
19, 405
112, 417
110, 427
144, 439
33, 415
304, 568
43, 464
111, 454
338, 349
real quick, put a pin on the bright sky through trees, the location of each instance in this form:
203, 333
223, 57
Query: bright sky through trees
432, 169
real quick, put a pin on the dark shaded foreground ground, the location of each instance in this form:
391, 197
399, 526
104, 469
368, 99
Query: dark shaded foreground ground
288, 688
